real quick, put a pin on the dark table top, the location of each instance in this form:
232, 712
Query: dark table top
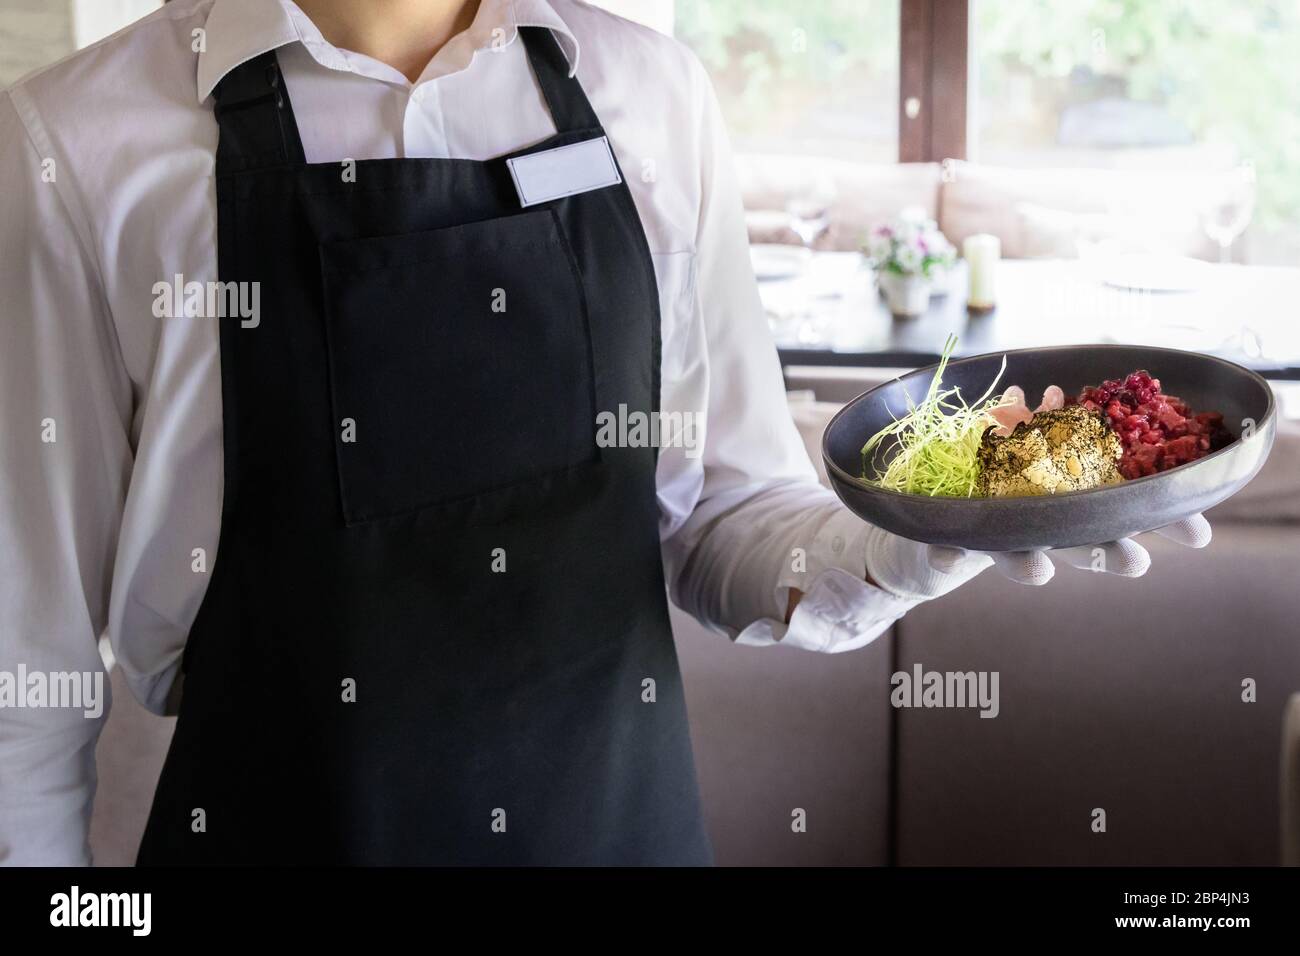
831, 314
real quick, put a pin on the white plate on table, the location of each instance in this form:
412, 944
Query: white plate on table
774, 261
1151, 273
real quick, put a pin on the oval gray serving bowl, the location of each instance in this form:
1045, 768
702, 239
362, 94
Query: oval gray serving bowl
1073, 518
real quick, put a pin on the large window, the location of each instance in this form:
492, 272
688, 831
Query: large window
1206, 90
801, 77
1182, 85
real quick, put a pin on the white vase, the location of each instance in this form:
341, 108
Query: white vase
940, 281
906, 294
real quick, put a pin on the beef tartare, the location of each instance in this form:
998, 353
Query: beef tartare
1157, 431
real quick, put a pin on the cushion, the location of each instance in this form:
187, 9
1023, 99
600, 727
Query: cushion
863, 194
1010, 202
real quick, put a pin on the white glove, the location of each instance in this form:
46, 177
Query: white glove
919, 571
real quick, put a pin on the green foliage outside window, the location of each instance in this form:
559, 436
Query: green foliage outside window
1228, 71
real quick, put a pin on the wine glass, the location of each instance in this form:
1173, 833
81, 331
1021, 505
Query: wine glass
810, 209
1227, 214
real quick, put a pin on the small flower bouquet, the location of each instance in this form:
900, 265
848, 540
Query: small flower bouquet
909, 255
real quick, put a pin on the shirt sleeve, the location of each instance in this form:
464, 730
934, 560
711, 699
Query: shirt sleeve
65, 457
762, 523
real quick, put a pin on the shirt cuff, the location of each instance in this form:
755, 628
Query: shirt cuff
839, 610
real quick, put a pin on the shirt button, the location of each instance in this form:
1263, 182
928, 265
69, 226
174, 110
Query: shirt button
837, 544
417, 94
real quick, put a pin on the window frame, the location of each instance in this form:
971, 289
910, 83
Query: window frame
933, 80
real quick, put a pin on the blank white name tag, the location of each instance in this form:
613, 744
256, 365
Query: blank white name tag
563, 171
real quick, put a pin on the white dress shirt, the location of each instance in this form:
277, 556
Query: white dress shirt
106, 166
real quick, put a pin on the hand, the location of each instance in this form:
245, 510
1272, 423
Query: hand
911, 569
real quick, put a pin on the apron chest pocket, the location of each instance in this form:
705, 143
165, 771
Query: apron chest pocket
461, 370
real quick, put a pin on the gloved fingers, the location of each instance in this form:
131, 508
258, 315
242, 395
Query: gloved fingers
1193, 532
905, 568
1124, 557
1023, 567
944, 559
1034, 568
948, 560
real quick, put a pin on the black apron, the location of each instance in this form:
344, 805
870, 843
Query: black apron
436, 630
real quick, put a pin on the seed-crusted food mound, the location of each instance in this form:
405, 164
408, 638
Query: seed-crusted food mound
1066, 449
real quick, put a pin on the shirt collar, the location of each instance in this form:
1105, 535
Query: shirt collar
239, 30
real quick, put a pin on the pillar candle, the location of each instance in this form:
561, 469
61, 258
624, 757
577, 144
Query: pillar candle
982, 252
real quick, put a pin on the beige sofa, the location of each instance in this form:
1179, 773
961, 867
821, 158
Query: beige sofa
1123, 695
1036, 213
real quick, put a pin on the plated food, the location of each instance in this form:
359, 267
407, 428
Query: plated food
1121, 429
1158, 431
1062, 449
1209, 426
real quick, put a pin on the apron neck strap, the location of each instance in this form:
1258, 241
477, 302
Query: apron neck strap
568, 104
258, 127
255, 117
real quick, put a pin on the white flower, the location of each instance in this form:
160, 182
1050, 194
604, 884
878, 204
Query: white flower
908, 258
879, 247
907, 233
911, 244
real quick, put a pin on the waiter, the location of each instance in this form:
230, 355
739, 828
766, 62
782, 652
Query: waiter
311, 310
